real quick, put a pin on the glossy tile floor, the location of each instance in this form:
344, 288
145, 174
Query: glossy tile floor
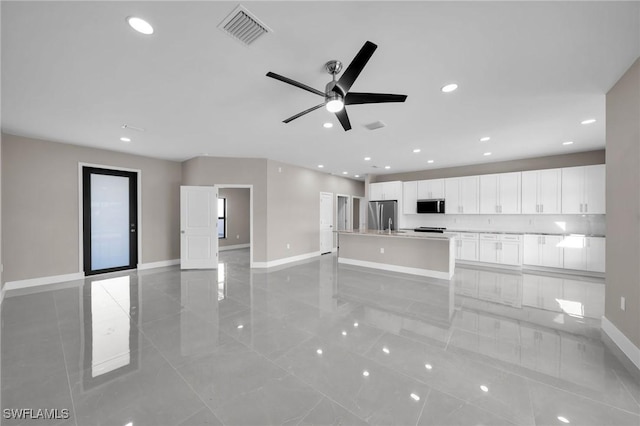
313, 343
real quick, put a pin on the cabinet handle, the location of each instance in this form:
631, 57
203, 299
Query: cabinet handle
500, 209
541, 208
580, 207
537, 208
496, 209
586, 207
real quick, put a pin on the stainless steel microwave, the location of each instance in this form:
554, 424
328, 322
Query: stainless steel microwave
430, 206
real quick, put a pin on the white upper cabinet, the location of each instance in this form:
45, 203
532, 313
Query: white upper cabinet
409, 197
430, 189
583, 190
541, 191
385, 191
500, 193
461, 195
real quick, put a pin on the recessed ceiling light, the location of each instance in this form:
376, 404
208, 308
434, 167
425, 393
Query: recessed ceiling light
430, 161
415, 397
484, 139
428, 366
567, 143
140, 25
483, 388
589, 121
240, 327
367, 158
319, 351
365, 373
385, 350
449, 88
125, 139
387, 167
417, 150
345, 173
563, 419
327, 125
356, 176
320, 166
486, 154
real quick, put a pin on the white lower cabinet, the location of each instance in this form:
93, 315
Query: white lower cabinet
543, 250
466, 246
505, 249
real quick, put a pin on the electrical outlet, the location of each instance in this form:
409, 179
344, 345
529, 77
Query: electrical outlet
381, 250
237, 236
622, 303
288, 246
279, 169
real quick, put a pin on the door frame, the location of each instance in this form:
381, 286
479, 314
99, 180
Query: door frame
362, 216
250, 187
81, 165
349, 224
333, 221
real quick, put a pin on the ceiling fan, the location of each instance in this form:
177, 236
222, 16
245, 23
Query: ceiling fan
337, 94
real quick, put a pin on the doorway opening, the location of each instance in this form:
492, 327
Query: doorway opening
343, 213
326, 222
238, 218
109, 222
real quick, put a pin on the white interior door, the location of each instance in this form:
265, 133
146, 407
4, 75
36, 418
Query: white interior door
198, 227
326, 222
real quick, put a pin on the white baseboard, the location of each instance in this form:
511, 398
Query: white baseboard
396, 268
160, 264
285, 260
234, 247
33, 282
626, 346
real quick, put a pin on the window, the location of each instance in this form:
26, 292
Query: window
222, 218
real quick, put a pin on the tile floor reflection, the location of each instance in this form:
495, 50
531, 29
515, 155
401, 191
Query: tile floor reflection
314, 343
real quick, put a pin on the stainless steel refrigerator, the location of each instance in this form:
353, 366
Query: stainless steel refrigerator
383, 215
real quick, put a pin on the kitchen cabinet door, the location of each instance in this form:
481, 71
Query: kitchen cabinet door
510, 253
531, 250
452, 196
530, 192
594, 189
596, 254
376, 192
489, 200
392, 190
573, 190
509, 187
409, 197
469, 194
551, 254
549, 196
469, 246
489, 251
431, 189
575, 254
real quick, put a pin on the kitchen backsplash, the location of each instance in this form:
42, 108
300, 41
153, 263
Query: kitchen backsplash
527, 224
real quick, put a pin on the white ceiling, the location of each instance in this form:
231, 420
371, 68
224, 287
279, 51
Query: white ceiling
528, 74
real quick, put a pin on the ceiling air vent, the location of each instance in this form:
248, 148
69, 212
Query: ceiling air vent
243, 26
375, 125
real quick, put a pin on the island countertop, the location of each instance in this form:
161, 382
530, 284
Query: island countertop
398, 234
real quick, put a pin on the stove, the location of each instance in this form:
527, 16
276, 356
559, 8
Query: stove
430, 229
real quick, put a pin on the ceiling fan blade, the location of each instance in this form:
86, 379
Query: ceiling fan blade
295, 83
344, 119
300, 114
354, 98
355, 67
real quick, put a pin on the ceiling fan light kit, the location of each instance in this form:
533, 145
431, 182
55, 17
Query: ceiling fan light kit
337, 94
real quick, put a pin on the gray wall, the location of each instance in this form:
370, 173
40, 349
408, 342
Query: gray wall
236, 171
294, 207
623, 204
538, 163
40, 205
238, 218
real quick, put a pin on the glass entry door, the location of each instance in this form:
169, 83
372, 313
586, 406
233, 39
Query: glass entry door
110, 221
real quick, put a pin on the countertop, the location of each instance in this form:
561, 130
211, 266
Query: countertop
562, 234
403, 233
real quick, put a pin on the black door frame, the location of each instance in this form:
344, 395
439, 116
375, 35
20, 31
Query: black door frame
87, 171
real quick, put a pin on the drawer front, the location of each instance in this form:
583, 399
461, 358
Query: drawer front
510, 237
469, 236
489, 237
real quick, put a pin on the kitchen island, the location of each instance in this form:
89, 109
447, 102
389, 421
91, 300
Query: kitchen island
417, 253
